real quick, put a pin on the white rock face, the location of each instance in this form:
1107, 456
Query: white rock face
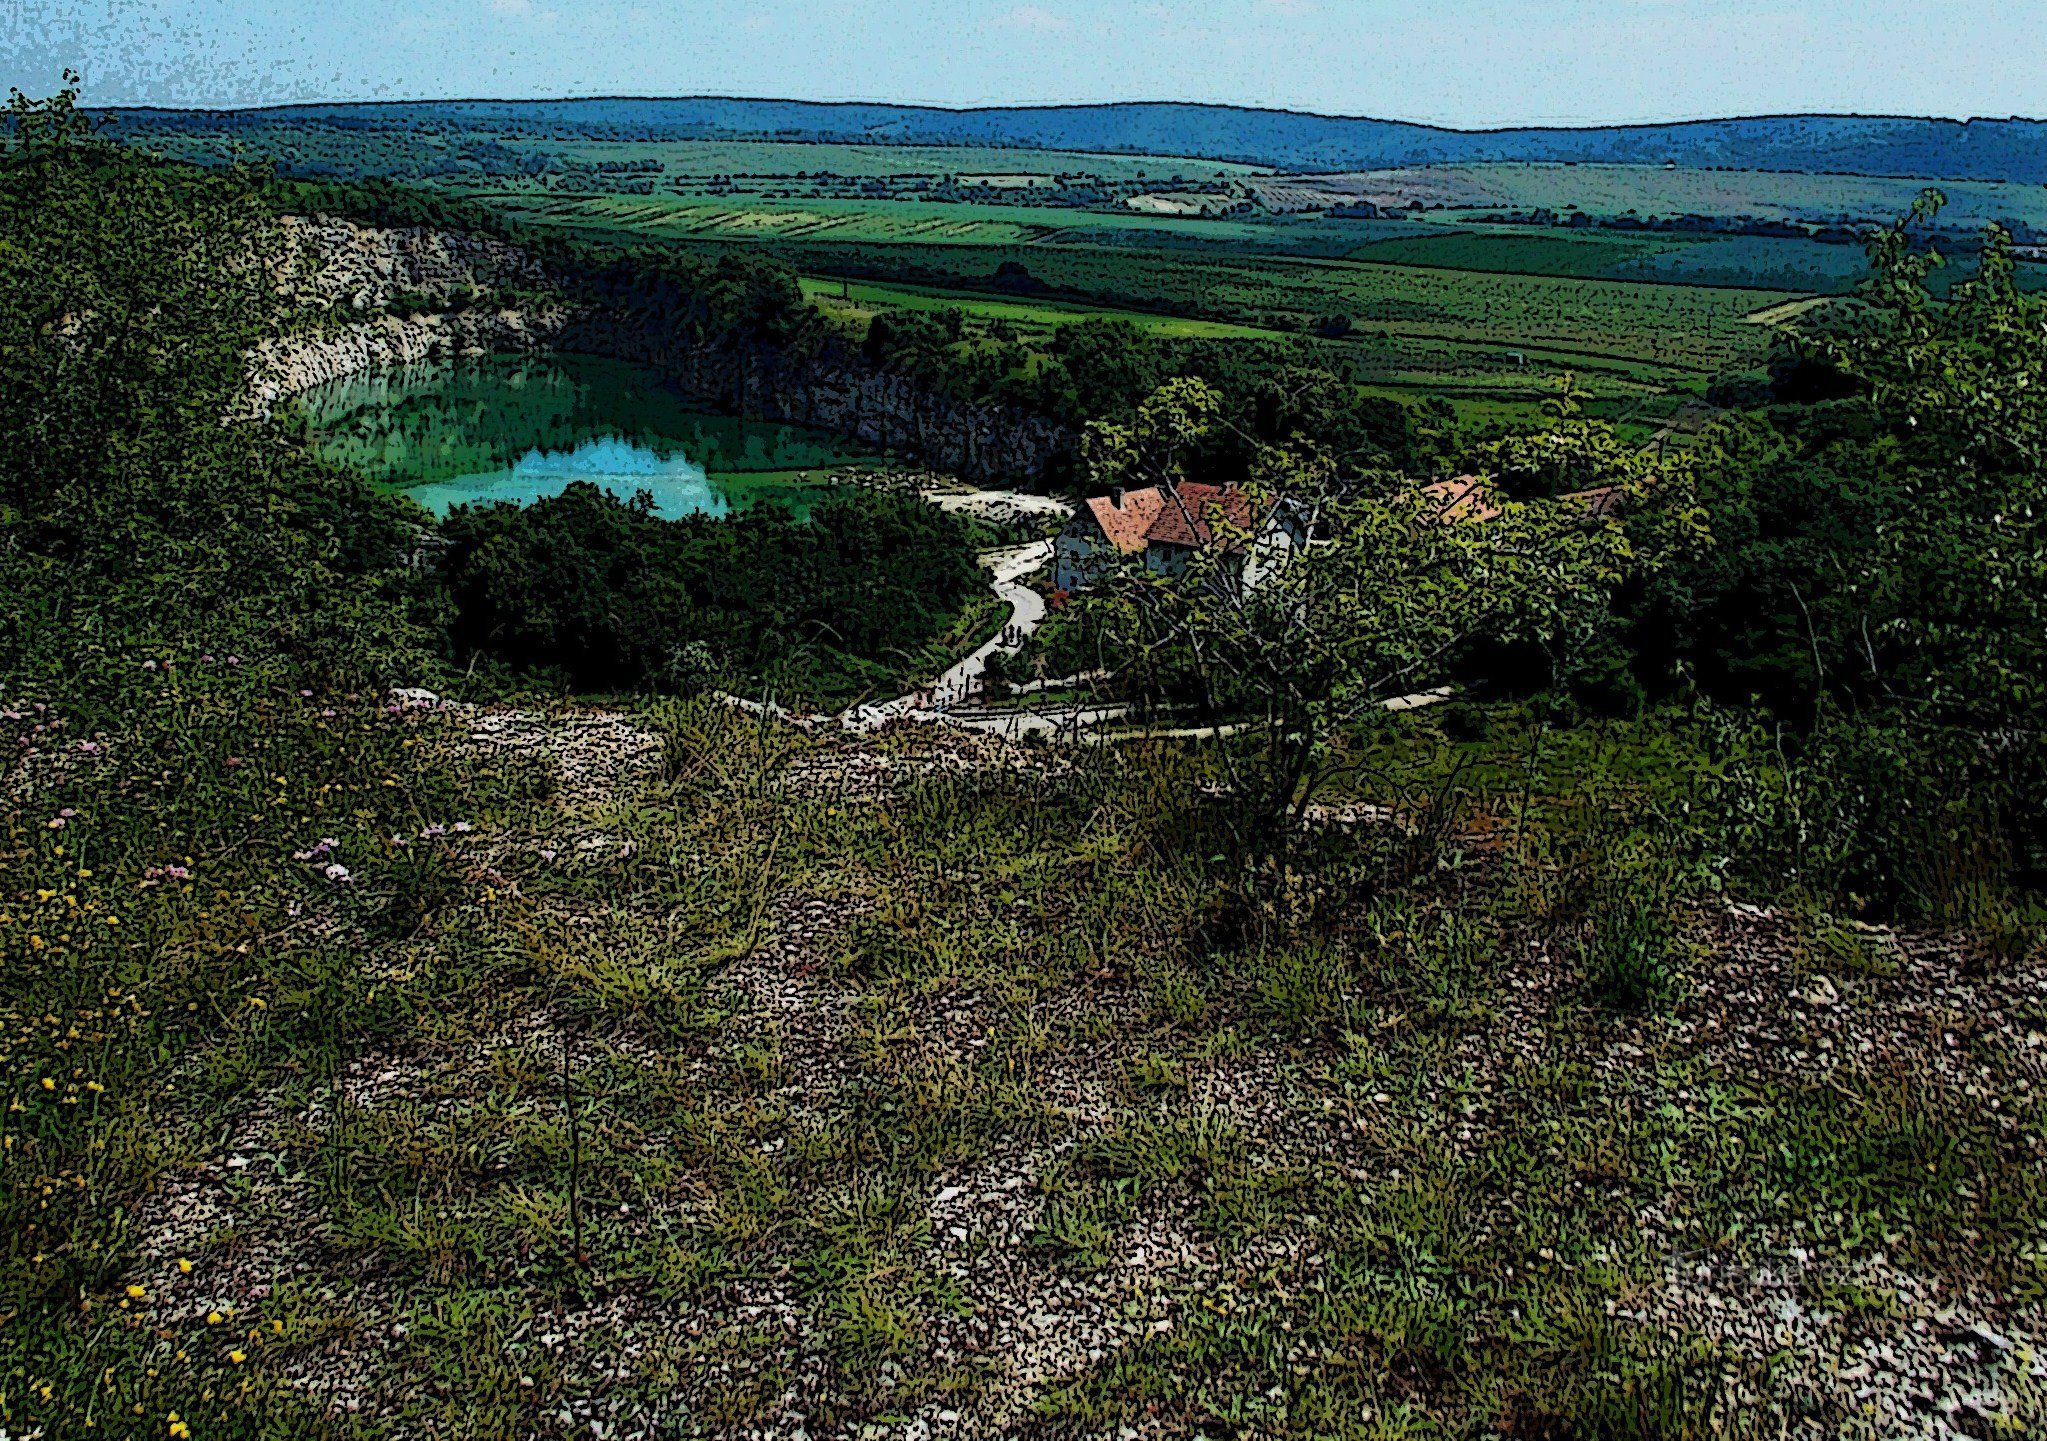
369, 297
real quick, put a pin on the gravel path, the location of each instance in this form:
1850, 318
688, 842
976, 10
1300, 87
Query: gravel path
1026, 613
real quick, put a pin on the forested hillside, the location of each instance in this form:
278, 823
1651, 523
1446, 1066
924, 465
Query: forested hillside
2009, 150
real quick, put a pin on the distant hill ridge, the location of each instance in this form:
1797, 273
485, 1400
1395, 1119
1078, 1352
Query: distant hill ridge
2006, 150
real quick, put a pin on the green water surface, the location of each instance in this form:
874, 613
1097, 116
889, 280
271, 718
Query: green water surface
519, 428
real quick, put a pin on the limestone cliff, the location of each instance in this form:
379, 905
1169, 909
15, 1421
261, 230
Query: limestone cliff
364, 297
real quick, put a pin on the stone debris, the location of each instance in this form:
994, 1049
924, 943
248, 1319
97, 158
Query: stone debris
1864, 1344
845, 771
593, 754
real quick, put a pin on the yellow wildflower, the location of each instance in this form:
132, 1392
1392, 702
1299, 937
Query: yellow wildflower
136, 1293
237, 1357
184, 1267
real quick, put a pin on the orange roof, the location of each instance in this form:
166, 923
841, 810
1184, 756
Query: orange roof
1599, 502
1463, 498
1125, 525
1190, 519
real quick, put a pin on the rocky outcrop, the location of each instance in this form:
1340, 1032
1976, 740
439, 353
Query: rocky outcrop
293, 363
366, 297
836, 390
327, 265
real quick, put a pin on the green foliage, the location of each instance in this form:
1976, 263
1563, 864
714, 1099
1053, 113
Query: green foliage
602, 595
1630, 943
1306, 642
139, 507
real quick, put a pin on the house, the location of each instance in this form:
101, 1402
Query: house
1106, 532
1462, 498
1166, 526
1466, 497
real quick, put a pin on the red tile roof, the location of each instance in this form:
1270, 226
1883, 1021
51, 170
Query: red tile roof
1190, 519
1599, 502
1462, 498
1125, 525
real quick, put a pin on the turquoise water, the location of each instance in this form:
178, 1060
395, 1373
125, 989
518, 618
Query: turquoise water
521, 428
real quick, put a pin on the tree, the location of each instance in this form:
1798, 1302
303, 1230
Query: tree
1958, 586
140, 503
1394, 586
1155, 447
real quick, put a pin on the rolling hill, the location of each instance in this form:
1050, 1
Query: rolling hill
2007, 150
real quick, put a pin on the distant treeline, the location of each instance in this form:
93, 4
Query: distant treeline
1842, 231
2009, 150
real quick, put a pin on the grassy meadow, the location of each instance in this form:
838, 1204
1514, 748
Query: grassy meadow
1614, 190
489, 1073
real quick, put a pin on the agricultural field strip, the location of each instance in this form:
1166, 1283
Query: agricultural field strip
867, 296
774, 159
1046, 314
1678, 330
1612, 190
698, 159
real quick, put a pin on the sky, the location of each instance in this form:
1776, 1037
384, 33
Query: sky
1464, 63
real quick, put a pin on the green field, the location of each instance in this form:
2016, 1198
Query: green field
1664, 331
1649, 190
1456, 331
754, 217
683, 158
862, 299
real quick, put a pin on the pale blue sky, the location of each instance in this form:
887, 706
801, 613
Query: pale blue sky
1451, 62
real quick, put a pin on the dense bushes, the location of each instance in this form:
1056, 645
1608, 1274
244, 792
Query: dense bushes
600, 594
133, 516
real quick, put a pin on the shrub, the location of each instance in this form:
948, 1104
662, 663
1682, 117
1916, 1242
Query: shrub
600, 594
1630, 943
